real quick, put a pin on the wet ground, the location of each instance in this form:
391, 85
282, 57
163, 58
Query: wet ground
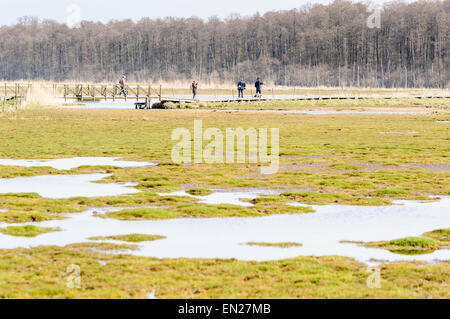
70, 163
65, 186
320, 233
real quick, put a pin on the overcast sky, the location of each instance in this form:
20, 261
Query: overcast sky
106, 10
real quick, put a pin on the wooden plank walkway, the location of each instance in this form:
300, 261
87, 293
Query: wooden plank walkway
319, 98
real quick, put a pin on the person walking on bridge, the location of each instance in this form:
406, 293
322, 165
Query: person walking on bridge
194, 87
258, 85
122, 83
241, 86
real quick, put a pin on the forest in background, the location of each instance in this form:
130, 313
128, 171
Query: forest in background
316, 45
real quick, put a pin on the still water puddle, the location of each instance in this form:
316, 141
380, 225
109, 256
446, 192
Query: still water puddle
70, 163
320, 233
65, 186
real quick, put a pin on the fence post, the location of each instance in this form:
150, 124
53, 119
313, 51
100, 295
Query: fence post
93, 92
4, 100
15, 95
160, 92
137, 93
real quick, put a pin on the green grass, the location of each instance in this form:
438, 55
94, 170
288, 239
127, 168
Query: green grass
199, 191
428, 243
103, 247
26, 231
278, 245
416, 242
336, 143
268, 200
440, 235
203, 211
140, 214
27, 273
320, 154
132, 238
315, 198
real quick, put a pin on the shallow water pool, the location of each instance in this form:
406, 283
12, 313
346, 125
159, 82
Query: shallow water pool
66, 186
320, 233
70, 163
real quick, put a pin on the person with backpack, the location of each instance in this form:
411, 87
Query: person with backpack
122, 86
258, 85
241, 86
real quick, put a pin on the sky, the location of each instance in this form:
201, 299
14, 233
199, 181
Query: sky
106, 10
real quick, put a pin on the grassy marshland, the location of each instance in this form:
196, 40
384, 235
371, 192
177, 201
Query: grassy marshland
41, 273
325, 159
132, 238
427, 243
26, 231
277, 245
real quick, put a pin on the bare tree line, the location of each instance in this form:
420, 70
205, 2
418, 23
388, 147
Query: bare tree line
327, 45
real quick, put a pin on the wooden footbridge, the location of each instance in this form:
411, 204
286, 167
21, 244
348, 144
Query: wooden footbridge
145, 96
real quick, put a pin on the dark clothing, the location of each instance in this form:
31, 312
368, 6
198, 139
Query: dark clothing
258, 85
241, 86
194, 88
122, 87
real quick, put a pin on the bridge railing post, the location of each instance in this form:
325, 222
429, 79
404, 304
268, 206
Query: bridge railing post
15, 95
4, 100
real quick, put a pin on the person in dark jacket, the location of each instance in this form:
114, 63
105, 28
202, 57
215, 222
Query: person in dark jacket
258, 85
241, 86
